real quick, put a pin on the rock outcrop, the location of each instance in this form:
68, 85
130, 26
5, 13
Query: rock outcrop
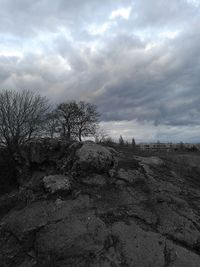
146, 215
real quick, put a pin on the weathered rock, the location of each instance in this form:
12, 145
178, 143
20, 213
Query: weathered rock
179, 227
144, 215
151, 160
176, 256
137, 247
94, 158
29, 263
20, 228
75, 236
54, 183
11, 252
24, 223
129, 176
60, 210
95, 179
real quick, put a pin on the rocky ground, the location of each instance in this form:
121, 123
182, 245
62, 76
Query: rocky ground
89, 205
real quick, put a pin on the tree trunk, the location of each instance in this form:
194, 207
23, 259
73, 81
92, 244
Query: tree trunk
68, 134
79, 136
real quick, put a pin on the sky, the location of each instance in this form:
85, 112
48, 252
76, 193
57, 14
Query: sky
138, 61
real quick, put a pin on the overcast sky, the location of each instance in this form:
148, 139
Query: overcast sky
138, 61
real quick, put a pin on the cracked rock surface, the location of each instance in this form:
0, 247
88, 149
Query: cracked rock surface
146, 214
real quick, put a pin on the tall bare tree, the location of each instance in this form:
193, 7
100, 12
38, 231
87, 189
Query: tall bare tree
77, 120
67, 114
52, 124
87, 120
21, 117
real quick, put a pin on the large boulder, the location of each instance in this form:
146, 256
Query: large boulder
94, 158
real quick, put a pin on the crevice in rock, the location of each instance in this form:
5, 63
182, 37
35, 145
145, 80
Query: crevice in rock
169, 256
153, 228
182, 243
110, 218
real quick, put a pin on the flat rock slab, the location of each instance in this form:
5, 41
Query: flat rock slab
139, 248
72, 237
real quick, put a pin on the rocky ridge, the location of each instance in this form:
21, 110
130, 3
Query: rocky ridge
101, 208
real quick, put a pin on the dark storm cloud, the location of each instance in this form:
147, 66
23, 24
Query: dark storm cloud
162, 86
137, 60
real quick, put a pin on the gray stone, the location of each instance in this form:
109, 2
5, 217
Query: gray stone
54, 183
23, 223
176, 225
72, 237
137, 218
129, 175
139, 248
151, 160
95, 179
94, 158
176, 256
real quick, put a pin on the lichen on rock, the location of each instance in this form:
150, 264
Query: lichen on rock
54, 183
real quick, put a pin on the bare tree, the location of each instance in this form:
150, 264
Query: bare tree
67, 114
77, 120
21, 118
52, 124
109, 141
87, 120
100, 135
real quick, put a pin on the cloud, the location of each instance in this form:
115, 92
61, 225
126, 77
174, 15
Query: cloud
44, 15
161, 13
138, 61
148, 132
121, 13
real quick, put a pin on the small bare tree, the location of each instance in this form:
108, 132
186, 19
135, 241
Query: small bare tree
21, 118
100, 135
